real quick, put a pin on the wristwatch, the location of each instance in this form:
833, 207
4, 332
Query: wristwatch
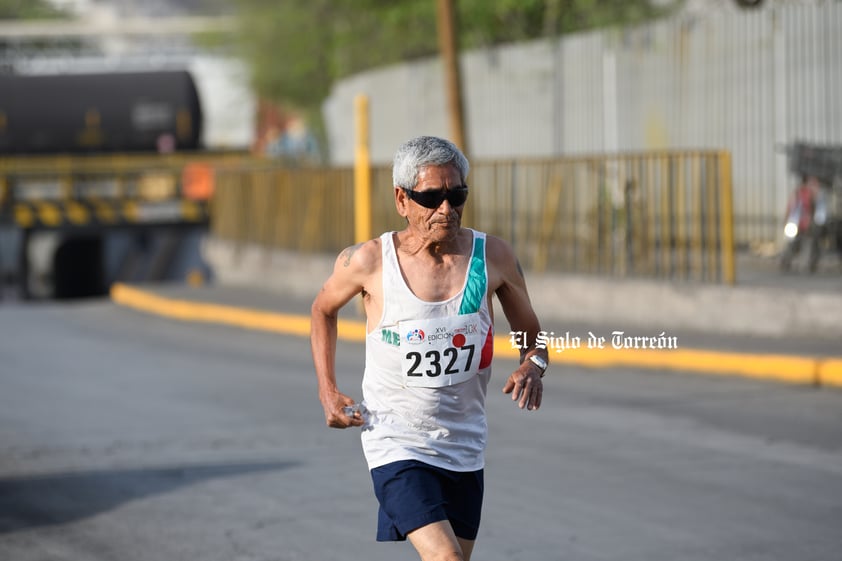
540, 363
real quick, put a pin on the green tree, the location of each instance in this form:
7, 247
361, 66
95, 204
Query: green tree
28, 9
12, 10
298, 48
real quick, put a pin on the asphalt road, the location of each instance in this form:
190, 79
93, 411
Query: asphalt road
125, 436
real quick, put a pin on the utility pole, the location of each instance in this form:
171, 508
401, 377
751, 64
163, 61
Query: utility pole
453, 82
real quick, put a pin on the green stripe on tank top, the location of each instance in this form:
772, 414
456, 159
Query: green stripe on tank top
475, 289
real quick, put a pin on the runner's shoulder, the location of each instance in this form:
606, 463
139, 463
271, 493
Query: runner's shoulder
498, 250
502, 263
363, 257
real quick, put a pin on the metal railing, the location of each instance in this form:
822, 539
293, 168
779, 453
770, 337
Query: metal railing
657, 215
654, 215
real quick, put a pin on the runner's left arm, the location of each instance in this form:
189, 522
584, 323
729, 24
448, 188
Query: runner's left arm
525, 383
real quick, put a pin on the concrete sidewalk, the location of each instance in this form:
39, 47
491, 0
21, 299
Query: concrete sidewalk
764, 303
753, 331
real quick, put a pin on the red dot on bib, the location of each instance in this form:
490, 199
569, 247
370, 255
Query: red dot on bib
458, 340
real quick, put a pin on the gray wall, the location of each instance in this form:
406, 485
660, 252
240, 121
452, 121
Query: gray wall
748, 82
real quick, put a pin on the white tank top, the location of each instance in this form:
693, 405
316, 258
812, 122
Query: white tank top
427, 370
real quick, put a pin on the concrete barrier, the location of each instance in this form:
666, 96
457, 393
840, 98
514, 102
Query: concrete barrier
753, 310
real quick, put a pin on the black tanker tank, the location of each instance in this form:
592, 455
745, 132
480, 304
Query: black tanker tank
99, 113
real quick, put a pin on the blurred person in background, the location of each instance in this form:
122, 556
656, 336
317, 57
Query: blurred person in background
804, 220
427, 293
295, 144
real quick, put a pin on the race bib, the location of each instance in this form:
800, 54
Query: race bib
440, 352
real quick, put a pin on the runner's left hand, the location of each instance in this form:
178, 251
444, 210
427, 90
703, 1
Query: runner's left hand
526, 386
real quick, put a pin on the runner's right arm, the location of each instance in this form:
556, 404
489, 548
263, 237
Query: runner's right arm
350, 272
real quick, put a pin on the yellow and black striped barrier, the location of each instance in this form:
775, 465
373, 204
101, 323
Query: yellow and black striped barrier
109, 190
87, 213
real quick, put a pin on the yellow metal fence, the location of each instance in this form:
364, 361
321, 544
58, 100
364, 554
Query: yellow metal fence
662, 215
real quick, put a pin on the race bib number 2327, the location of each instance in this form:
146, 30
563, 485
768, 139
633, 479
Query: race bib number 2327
440, 352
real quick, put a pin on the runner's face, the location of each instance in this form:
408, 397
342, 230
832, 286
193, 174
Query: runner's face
441, 223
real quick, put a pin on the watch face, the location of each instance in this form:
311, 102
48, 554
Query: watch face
539, 362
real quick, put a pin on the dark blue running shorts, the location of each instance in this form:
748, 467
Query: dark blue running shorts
413, 494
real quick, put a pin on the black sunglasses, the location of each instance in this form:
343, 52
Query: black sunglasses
456, 196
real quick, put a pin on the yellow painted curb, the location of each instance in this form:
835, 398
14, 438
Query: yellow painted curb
783, 368
201, 312
830, 372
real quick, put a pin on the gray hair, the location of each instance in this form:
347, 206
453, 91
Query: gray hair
425, 151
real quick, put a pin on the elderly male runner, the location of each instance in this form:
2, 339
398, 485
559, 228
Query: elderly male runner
427, 296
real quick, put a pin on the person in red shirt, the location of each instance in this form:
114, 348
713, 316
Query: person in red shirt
799, 223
